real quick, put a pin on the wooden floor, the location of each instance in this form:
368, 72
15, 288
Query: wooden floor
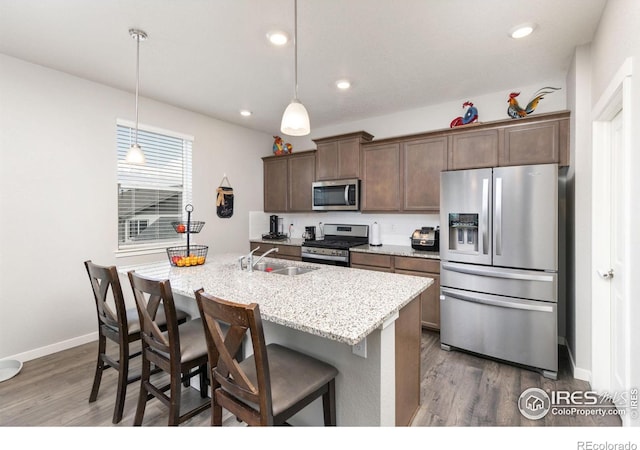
458, 389
462, 389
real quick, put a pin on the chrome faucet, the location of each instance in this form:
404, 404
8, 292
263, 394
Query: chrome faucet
249, 259
250, 267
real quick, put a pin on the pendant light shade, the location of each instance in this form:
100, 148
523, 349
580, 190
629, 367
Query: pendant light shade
135, 155
295, 120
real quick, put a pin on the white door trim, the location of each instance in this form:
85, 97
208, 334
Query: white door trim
616, 98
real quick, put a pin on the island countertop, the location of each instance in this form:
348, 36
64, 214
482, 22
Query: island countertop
337, 303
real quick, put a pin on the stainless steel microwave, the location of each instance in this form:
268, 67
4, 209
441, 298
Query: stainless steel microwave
337, 195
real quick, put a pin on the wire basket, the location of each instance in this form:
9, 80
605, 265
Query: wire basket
194, 226
183, 256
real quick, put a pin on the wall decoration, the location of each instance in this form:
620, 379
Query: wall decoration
224, 200
280, 147
470, 116
515, 111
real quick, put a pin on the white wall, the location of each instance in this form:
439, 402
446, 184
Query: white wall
578, 334
58, 196
491, 106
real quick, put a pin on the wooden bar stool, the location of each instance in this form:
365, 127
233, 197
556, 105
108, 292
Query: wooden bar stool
176, 351
268, 387
119, 324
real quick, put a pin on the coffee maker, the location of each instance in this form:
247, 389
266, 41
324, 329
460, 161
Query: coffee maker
309, 233
275, 229
273, 225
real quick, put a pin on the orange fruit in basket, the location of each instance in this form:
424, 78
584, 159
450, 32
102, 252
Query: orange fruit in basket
200, 259
180, 262
180, 228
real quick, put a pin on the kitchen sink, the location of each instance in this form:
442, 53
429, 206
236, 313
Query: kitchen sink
293, 270
283, 269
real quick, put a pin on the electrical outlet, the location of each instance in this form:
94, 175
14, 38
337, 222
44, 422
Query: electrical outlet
360, 348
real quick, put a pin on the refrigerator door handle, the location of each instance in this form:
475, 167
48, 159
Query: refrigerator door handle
498, 219
497, 273
493, 301
485, 216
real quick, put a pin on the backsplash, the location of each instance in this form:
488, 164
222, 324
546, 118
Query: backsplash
395, 229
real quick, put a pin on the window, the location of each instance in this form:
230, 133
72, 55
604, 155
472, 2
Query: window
153, 195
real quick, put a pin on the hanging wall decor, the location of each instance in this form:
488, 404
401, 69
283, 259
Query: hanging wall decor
224, 200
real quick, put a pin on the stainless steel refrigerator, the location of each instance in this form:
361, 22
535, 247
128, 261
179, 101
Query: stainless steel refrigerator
499, 264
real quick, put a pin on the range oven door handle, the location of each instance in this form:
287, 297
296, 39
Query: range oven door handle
310, 258
484, 299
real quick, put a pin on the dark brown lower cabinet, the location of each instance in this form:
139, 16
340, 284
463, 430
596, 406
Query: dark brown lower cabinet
291, 252
421, 267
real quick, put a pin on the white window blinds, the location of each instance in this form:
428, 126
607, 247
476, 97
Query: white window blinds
152, 195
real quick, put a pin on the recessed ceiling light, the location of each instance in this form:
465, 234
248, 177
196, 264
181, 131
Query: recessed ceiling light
343, 84
245, 113
278, 37
522, 30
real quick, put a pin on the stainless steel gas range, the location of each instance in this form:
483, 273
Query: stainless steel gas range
334, 248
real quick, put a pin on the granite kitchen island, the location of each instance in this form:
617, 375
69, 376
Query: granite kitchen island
365, 323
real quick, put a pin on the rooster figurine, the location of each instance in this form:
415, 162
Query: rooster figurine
515, 111
470, 116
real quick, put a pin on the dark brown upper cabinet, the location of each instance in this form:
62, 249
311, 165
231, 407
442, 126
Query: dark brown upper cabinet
338, 157
287, 182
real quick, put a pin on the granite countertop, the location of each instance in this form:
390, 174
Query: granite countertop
337, 303
297, 242
397, 250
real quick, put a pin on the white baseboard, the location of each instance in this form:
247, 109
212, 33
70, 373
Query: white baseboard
54, 348
578, 373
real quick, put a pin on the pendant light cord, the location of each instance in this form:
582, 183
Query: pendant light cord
137, 82
295, 47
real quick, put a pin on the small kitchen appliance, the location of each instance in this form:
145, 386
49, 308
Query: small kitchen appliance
309, 233
426, 239
275, 229
334, 248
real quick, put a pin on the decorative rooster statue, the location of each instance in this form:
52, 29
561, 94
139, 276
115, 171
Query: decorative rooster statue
470, 116
280, 147
515, 111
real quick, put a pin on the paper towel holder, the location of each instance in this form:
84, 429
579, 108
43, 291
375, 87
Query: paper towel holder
375, 235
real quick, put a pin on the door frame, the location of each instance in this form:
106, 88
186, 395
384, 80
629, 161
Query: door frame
615, 99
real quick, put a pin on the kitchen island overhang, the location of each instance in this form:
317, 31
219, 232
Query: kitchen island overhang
324, 312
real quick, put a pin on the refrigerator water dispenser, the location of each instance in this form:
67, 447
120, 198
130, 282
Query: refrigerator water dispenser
463, 232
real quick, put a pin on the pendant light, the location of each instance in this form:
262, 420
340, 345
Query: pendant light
295, 120
135, 154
